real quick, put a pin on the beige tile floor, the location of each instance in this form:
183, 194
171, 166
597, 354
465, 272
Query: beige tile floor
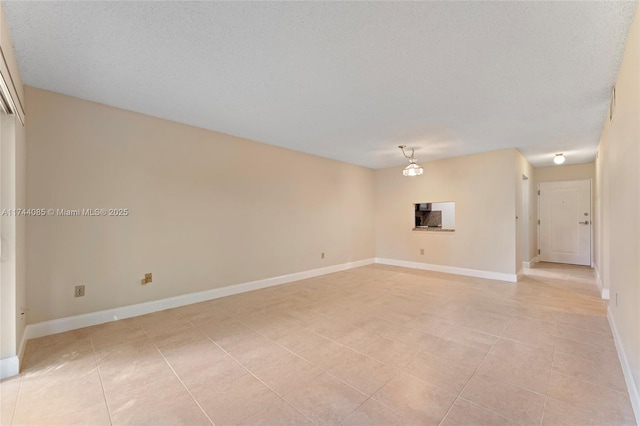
376, 345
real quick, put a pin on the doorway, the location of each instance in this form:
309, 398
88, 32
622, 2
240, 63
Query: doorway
564, 211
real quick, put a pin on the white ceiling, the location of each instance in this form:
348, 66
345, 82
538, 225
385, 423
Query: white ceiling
348, 81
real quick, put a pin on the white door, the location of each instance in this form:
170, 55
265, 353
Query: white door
565, 222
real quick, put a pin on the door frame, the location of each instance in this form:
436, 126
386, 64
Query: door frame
591, 229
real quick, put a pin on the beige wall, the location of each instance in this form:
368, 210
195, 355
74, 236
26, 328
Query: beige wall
568, 172
618, 183
483, 188
206, 209
526, 211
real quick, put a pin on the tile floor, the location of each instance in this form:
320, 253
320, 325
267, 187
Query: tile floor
376, 345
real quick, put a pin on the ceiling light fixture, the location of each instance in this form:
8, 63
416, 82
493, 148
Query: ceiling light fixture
413, 169
559, 158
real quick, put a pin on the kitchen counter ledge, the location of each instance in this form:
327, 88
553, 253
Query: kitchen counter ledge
432, 229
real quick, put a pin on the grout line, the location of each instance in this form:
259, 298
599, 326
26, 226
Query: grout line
546, 393
181, 382
21, 373
324, 337
15, 406
486, 409
489, 352
317, 366
261, 381
393, 409
356, 409
471, 377
249, 371
286, 402
371, 396
301, 357
104, 394
623, 392
417, 349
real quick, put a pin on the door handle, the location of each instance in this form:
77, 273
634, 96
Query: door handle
586, 222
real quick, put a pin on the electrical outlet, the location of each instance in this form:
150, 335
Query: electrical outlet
148, 277
322, 255
79, 292
422, 252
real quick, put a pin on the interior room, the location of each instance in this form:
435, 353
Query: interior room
320, 213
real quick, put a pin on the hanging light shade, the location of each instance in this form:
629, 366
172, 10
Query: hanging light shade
413, 169
559, 158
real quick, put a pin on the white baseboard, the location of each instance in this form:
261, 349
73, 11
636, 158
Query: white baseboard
450, 270
605, 294
531, 262
626, 369
9, 367
520, 274
61, 325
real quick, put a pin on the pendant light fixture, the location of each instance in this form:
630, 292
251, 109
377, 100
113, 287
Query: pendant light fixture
413, 169
559, 158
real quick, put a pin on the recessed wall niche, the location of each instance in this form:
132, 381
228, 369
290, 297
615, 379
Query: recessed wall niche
437, 217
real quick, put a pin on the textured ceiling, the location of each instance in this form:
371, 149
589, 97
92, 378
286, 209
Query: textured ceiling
344, 80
